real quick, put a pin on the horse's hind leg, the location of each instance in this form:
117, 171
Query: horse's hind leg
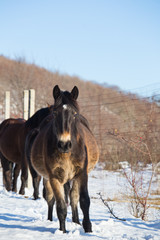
24, 177
35, 177
67, 192
16, 171
49, 197
74, 198
36, 180
7, 172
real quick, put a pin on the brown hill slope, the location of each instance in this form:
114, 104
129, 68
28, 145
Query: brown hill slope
107, 109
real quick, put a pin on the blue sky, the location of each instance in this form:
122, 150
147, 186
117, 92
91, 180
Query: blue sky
116, 42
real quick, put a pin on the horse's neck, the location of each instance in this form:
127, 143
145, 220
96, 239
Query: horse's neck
37, 118
84, 121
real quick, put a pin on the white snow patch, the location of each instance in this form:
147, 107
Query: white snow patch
24, 218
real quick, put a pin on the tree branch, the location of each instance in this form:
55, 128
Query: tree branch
110, 210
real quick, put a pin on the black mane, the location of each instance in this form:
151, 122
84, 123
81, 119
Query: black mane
36, 119
84, 121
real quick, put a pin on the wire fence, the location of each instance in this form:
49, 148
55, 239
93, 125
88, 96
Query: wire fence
127, 115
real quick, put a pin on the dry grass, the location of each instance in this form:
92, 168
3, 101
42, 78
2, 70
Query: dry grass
107, 109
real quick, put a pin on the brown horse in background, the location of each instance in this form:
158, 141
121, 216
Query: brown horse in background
13, 134
11, 143
64, 150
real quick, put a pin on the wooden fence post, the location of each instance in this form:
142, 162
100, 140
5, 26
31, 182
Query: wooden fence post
29, 109
26, 104
7, 105
31, 102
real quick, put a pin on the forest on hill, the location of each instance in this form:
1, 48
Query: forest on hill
125, 125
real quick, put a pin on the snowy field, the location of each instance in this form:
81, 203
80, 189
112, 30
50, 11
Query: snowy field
23, 218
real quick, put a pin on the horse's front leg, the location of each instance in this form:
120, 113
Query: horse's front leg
58, 190
85, 201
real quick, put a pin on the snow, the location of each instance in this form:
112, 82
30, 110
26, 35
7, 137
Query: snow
21, 217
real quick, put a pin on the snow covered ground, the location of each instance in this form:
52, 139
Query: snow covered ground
23, 218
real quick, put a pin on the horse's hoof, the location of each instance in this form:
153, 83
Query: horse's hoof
36, 198
87, 227
14, 190
64, 230
22, 192
77, 222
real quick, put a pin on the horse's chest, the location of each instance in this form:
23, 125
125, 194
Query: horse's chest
63, 169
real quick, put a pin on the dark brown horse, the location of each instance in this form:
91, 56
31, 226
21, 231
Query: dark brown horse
11, 143
13, 133
64, 150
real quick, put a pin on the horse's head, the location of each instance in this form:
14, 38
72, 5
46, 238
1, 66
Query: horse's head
65, 122
65, 97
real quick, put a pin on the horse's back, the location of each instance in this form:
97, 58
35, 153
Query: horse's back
11, 132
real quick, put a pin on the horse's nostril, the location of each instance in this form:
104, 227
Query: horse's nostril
59, 144
69, 144
64, 146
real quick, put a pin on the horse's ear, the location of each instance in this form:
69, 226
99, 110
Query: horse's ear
75, 93
56, 92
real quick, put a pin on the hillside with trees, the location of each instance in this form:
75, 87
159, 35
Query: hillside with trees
126, 126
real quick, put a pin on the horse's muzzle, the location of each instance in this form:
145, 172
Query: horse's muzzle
64, 147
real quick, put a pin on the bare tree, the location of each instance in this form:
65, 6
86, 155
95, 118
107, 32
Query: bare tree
140, 194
